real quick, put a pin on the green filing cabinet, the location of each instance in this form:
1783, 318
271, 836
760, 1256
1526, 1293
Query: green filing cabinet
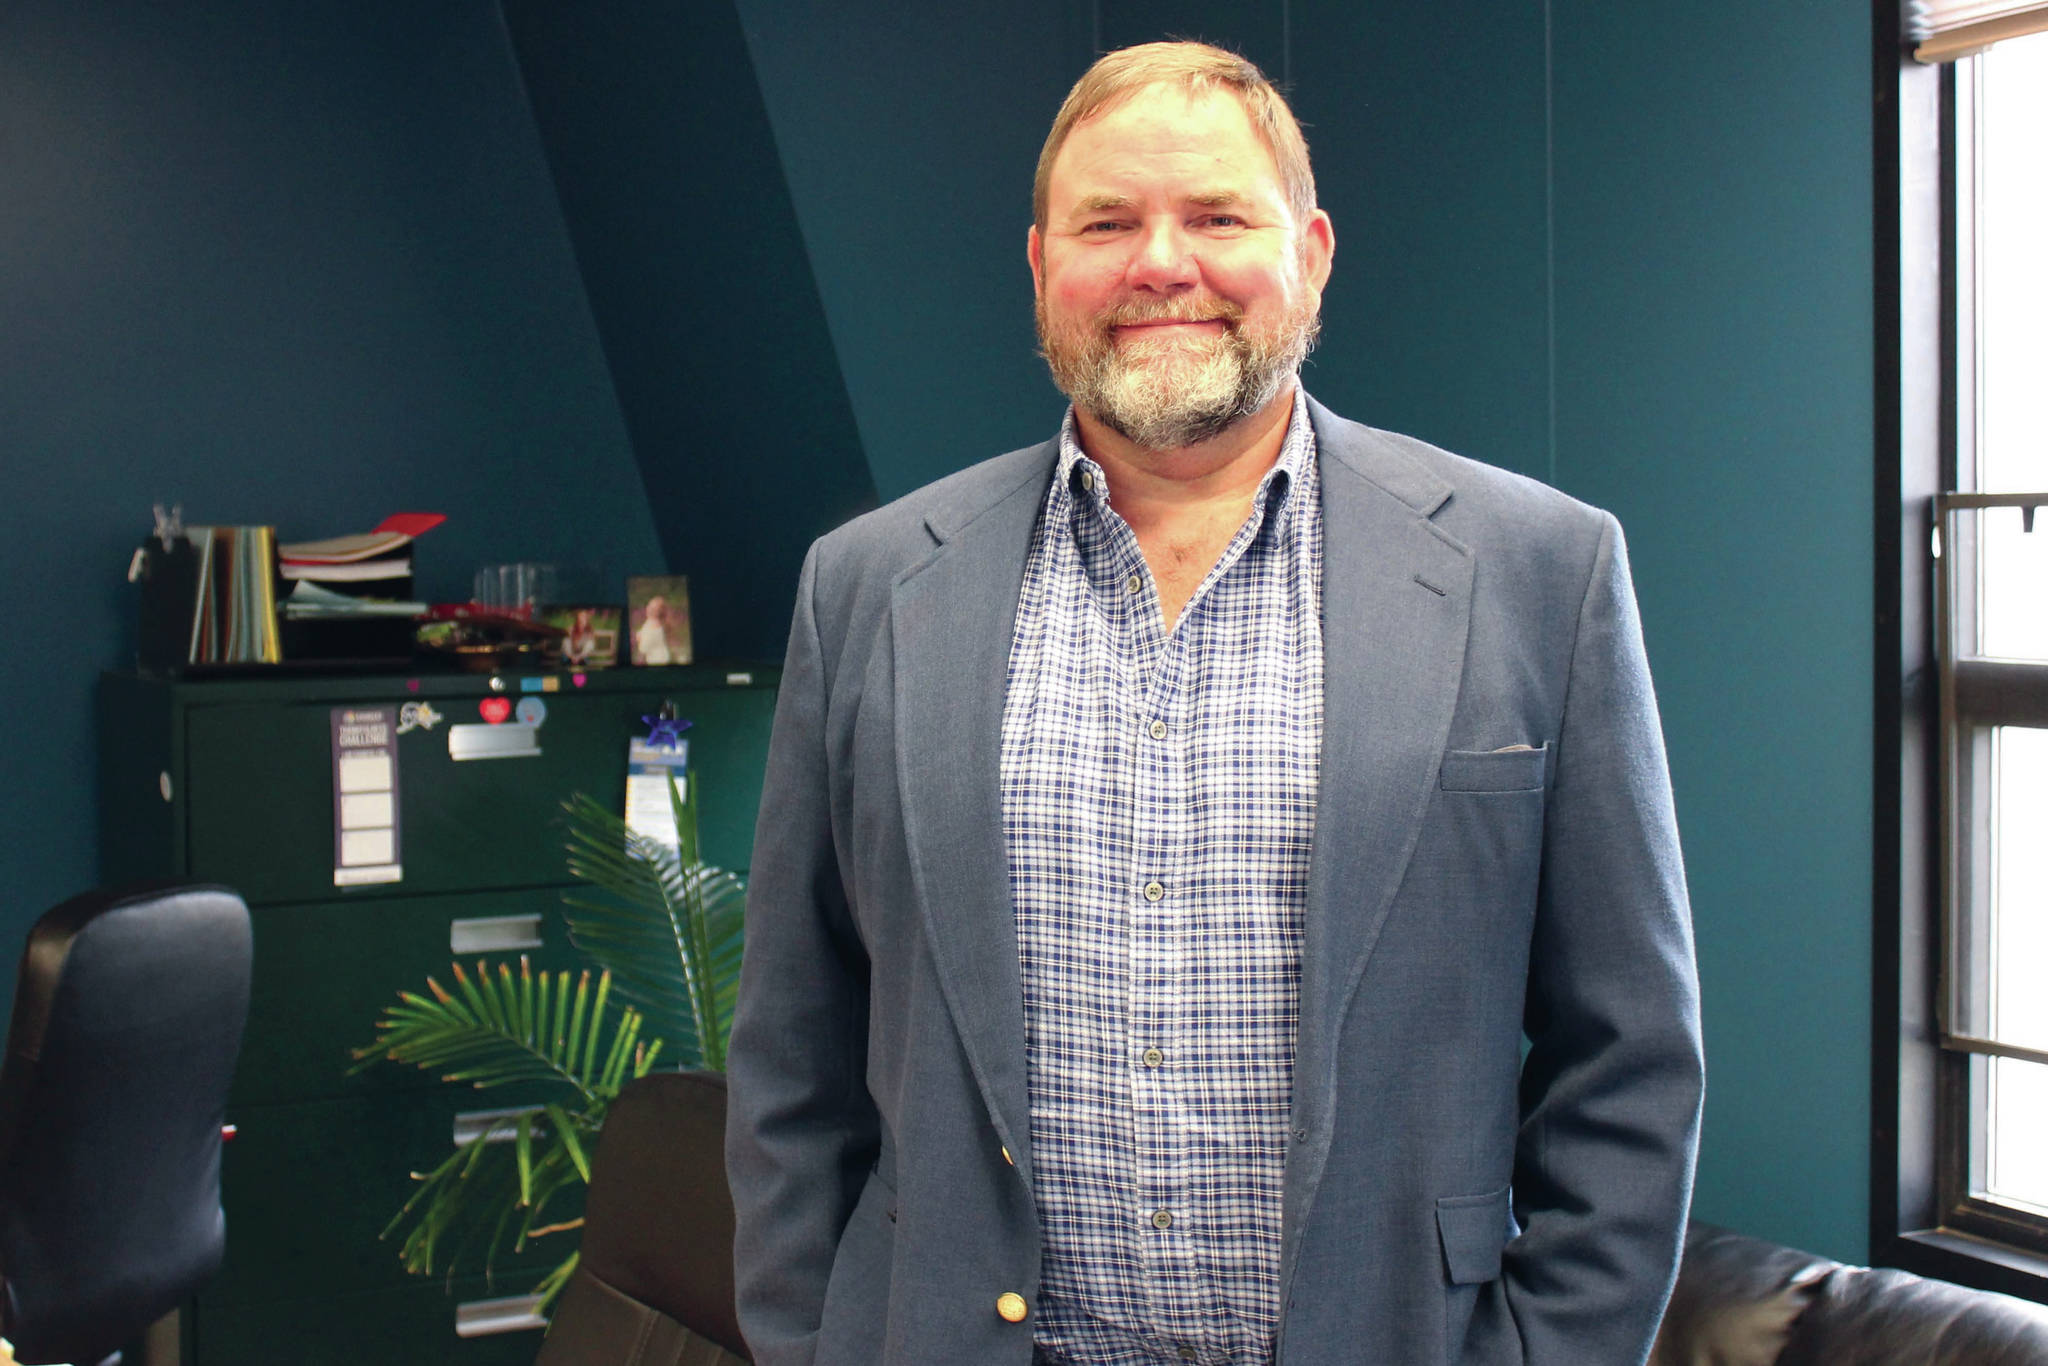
233, 780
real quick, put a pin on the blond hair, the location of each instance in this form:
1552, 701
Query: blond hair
1196, 68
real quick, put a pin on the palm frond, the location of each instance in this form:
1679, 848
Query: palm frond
556, 1281
491, 1190
495, 1029
663, 931
667, 926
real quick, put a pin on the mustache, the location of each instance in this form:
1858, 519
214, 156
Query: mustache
1134, 311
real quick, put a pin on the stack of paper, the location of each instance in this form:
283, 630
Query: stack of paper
309, 601
369, 558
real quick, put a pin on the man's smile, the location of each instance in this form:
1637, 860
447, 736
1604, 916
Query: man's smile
1167, 325
1170, 329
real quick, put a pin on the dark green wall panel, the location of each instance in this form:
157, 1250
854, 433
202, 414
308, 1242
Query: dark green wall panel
908, 133
697, 274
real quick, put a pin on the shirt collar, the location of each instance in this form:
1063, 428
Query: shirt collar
1079, 482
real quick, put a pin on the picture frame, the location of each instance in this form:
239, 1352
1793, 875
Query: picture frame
658, 619
590, 634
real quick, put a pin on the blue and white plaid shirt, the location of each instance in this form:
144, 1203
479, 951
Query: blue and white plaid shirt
1159, 795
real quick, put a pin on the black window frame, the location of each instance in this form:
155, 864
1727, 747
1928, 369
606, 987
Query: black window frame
1922, 1217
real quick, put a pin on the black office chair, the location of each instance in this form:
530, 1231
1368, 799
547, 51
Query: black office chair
127, 1021
654, 1284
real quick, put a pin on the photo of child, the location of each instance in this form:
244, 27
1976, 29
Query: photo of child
658, 615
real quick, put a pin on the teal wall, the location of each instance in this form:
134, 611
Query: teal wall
1624, 249
686, 285
1713, 192
295, 264
1430, 157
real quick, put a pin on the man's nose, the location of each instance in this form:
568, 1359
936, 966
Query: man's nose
1163, 259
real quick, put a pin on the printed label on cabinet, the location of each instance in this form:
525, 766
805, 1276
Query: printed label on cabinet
365, 795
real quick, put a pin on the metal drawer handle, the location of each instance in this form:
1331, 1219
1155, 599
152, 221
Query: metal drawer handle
493, 1126
512, 740
513, 1314
494, 933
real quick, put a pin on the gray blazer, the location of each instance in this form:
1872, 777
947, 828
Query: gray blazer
1495, 856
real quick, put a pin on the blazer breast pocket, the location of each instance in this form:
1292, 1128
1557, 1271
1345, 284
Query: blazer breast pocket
1497, 770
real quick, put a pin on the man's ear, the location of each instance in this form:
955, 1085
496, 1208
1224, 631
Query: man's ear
1034, 253
1318, 246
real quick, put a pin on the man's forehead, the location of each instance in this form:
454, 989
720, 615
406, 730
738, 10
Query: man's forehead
1172, 99
1165, 108
1181, 93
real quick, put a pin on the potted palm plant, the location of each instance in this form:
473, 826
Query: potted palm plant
661, 931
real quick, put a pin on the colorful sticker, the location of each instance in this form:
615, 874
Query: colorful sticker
417, 716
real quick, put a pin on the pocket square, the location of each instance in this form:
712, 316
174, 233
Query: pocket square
1513, 768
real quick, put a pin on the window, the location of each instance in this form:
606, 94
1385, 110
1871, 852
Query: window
1993, 643
1961, 1188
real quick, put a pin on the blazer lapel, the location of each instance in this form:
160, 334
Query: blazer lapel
952, 620
1396, 605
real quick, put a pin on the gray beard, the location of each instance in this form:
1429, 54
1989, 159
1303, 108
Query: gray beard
1164, 396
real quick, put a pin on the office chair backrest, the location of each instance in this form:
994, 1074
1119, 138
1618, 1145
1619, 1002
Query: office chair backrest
654, 1285
127, 1021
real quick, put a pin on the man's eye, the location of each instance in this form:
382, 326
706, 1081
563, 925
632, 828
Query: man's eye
1223, 220
1101, 225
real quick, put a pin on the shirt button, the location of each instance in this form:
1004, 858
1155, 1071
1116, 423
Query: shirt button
1087, 480
1187, 1353
1153, 891
1162, 1219
1157, 730
1133, 584
1153, 1057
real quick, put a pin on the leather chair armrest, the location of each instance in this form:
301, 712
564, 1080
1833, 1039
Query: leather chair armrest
1737, 1301
1894, 1316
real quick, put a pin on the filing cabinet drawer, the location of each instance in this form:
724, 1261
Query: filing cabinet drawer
307, 1189
325, 972
410, 1327
260, 790
728, 750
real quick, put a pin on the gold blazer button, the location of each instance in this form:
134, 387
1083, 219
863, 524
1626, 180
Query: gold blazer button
1011, 1307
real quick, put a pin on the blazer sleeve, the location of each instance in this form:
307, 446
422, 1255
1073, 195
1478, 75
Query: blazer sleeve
1612, 1085
801, 1130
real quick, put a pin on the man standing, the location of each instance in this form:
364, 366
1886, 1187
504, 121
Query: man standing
1172, 831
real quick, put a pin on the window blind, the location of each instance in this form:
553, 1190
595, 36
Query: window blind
1943, 30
